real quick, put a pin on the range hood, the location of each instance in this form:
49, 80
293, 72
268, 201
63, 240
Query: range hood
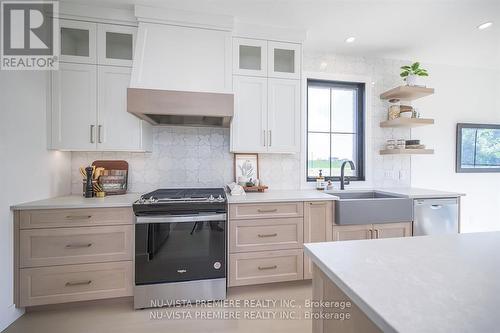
181, 73
184, 108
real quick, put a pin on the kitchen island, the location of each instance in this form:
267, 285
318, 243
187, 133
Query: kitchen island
422, 284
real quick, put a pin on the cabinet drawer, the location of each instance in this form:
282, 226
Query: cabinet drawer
60, 284
61, 246
267, 234
52, 218
265, 267
271, 210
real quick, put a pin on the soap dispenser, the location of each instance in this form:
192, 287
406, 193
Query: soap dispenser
320, 181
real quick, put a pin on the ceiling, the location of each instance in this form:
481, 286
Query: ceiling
435, 31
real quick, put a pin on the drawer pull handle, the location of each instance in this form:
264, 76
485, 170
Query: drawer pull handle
78, 246
78, 217
267, 210
78, 283
267, 235
263, 268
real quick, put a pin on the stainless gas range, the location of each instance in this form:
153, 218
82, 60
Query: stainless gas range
180, 246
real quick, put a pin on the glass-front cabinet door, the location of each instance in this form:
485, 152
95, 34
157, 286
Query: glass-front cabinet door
284, 60
249, 57
78, 41
115, 44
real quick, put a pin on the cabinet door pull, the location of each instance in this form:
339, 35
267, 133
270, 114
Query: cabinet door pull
92, 130
270, 138
267, 210
78, 283
316, 203
78, 217
264, 132
267, 235
371, 233
99, 133
78, 246
263, 268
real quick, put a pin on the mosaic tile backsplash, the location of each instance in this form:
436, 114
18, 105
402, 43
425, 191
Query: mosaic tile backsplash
184, 156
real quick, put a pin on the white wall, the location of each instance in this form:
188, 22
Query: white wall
28, 171
462, 95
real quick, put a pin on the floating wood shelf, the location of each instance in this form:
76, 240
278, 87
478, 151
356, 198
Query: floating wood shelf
407, 122
407, 152
407, 93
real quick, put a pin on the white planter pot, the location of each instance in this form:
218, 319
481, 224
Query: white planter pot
411, 80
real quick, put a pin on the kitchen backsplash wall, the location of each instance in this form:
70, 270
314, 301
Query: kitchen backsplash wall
185, 156
200, 156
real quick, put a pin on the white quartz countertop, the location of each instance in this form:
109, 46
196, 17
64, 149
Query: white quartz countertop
420, 193
78, 201
280, 196
447, 283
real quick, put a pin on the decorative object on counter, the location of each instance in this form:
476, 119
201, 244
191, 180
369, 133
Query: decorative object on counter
391, 144
112, 176
89, 187
236, 189
410, 73
246, 168
329, 185
320, 181
260, 188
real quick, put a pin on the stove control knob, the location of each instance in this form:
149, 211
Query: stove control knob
220, 198
211, 198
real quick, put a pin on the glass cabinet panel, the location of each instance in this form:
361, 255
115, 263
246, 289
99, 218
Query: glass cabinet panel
249, 57
284, 60
78, 41
74, 42
119, 46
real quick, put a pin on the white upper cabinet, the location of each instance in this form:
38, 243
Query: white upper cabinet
249, 57
283, 115
249, 126
284, 60
74, 107
78, 41
115, 44
117, 129
182, 58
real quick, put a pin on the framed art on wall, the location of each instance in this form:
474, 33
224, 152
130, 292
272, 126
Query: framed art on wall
478, 148
246, 167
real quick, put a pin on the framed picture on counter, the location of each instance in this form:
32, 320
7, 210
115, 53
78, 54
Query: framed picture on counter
246, 167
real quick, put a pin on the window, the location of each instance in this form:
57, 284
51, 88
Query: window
335, 128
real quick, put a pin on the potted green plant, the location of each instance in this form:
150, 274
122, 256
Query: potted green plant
410, 73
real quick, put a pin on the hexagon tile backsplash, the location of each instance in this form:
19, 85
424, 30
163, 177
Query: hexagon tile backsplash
188, 157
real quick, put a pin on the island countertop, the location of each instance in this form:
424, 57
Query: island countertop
446, 283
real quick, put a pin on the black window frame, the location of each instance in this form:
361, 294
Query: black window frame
360, 131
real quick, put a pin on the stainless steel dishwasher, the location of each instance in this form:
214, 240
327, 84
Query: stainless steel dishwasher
435, 216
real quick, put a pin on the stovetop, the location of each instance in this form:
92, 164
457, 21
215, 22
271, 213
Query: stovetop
181, 201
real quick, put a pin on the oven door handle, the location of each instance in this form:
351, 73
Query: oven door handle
180, 218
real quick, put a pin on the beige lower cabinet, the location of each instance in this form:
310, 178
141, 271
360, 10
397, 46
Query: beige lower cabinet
67, 255
318, 225
265, 267
371, 231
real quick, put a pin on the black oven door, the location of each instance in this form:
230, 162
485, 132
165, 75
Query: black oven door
180, 248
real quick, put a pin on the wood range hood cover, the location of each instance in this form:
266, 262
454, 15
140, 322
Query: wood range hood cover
182, 108
181, 73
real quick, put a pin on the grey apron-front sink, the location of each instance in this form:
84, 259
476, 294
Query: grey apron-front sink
366, 207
